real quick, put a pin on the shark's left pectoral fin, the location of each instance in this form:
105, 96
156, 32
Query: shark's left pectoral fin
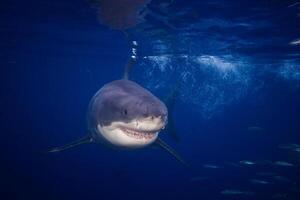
170, 101
171, 131
171, 151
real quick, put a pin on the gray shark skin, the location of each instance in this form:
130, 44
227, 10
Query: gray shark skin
124, 95
124, 114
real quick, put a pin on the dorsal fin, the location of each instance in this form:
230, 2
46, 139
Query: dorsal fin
171, 151
132, 59
84, 140
128, 67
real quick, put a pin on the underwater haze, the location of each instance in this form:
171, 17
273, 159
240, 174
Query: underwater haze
231, 68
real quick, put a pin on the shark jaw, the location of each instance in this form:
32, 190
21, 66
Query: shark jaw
132, 135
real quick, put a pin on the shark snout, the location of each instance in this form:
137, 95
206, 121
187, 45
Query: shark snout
155, 110
164, 118
153, 119
161, 118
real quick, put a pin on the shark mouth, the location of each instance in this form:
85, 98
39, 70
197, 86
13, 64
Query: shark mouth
148, 135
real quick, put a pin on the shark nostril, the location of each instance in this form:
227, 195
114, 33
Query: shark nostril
164, 118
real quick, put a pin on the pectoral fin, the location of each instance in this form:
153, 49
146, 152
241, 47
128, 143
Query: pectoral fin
170, 129
84, 140
171, 151
170, 101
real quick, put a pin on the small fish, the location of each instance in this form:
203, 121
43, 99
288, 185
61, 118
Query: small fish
289, 146
284, 164
255, 129
297, 149
257, 181
293, 4
282, 179
295, 42
265, 173
279, 196
236, 192
247, 162
198, 179
211, 166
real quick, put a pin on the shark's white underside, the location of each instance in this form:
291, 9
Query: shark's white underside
135, 134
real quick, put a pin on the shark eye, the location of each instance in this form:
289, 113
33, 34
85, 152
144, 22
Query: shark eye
125, 111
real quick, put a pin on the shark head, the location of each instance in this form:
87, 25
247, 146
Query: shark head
127, 115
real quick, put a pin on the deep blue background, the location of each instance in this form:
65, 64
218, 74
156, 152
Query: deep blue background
55, 55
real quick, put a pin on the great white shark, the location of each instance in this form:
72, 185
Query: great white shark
125, 115
122, 114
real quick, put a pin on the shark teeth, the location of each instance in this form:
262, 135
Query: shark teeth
139, 134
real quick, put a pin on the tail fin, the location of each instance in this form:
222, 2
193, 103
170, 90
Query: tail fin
171, 151
84, 140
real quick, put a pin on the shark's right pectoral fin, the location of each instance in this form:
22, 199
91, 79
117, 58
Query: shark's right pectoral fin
84, 140
171, 131
170, 101
171, 151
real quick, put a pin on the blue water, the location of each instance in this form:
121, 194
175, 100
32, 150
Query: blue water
238, 65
